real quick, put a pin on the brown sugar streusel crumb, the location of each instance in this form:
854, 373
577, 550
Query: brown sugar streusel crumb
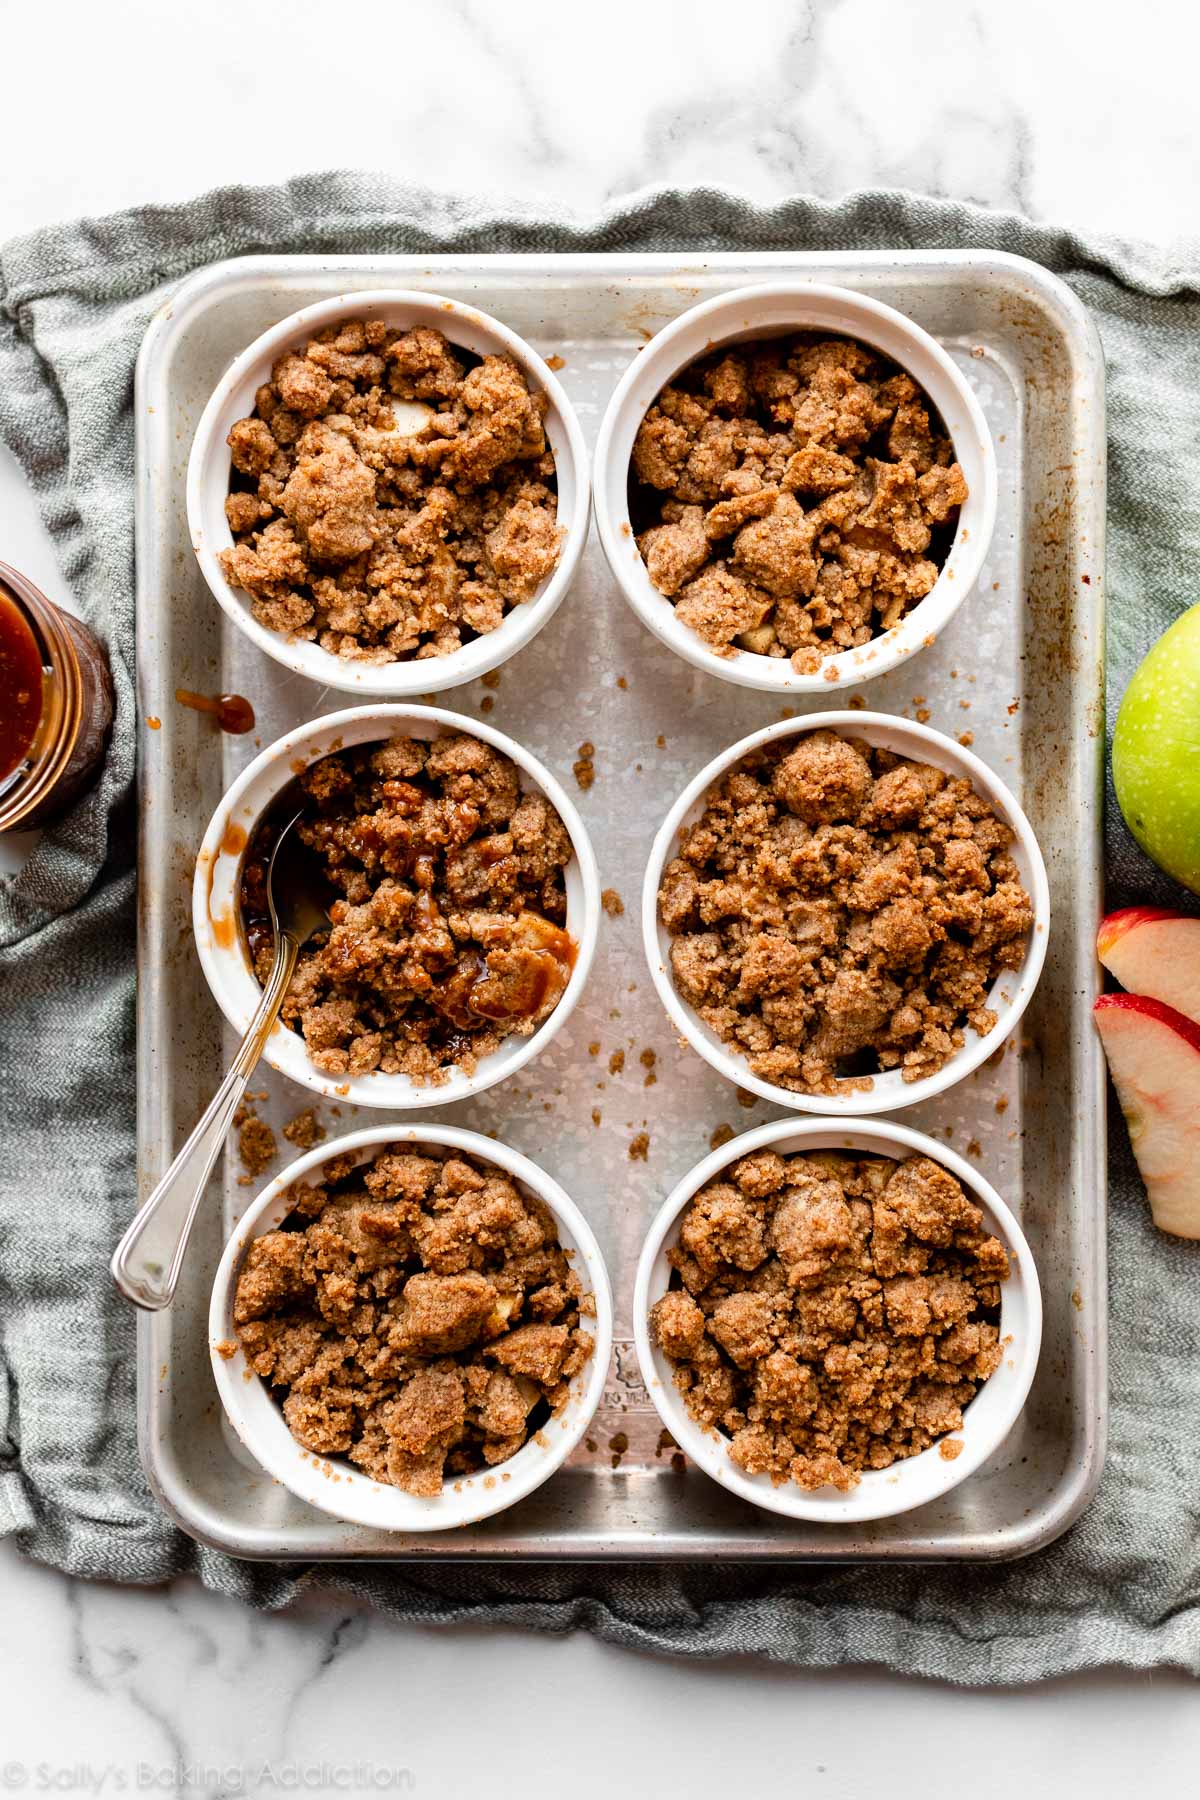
449, 923
305, 1130
794, 497
584, 767
839, 911
417, 1315
831, 1314
257, 1148
612, 903
392, 495
639, 1147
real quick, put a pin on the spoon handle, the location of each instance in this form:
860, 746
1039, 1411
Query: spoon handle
147, 1261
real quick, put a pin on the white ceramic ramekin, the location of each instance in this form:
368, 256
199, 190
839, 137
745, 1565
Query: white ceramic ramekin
1010, 993
333, 1483
774, 311
208, 485
217, 884
919, 1479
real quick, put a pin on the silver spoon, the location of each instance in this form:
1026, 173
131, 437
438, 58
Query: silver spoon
147, 1261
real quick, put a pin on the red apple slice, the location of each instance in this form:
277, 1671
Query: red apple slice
1154, 1059
1155, 952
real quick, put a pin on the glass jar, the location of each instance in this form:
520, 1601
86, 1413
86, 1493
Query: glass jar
56, 705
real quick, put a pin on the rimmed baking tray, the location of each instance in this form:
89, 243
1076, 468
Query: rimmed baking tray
1021, 668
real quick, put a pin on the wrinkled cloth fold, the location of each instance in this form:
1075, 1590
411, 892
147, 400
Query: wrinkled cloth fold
1123, 1586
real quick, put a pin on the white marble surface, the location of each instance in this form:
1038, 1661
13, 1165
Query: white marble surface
1081, 112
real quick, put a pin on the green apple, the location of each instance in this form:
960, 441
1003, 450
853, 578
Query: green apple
1156, 752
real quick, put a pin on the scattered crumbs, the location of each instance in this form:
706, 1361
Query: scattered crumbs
556, 362
618, 1443
1014, 707
614, 1012
965, 705
1002, 1104
1086, 580
1076, 1302
954, 674
966, 739
665, 1442
632, 988
974, 1148
612, 903
616, 1062
918, 699
622, 683
336, 1111
256, 1142
597, 1115
949, 1448
639, 1148
745, 1098
491, 679
343, 1088
153, 723
593, 1049
856, 702
591, 1445
648, 1058
584, 768
304, 1130
637, 768
720, 1136
661, 741
227, 1348
923, 715
829, 673
679, 1463
487, 703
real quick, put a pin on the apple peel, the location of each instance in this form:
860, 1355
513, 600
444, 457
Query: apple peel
1153, 1054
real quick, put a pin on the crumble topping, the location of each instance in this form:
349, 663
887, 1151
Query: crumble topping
416, 1313
448, 930
392, 495
831, 1314
838, 911
794, 497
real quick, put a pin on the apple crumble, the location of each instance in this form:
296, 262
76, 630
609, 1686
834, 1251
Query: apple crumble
838, 911
392, 495
831, 1314
448, 925
417, 1313
794, 496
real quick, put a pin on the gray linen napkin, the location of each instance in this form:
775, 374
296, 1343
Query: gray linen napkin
1123, 1586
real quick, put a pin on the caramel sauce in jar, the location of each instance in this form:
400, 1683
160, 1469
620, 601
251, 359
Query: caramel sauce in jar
56, 705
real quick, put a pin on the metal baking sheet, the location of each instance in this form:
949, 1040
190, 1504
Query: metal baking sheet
1020, 668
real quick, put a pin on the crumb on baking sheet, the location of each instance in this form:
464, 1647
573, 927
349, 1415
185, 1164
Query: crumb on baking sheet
392, 495
305, 1130
794, 497
584, 766
415, 1314
831, 1315
616, 1062
639, 1147
448, 929
722, 1135
838, 911
257, 1148
612, 903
